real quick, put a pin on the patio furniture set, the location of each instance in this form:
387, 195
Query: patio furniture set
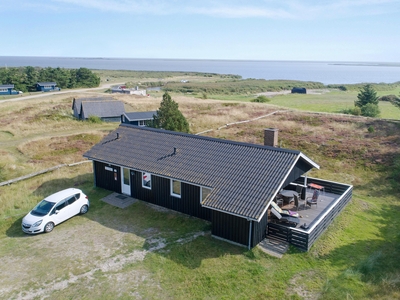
290, 196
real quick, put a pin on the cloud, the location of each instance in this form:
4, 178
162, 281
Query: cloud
271, 9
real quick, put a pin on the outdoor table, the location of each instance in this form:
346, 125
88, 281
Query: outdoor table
317, 187
288, 195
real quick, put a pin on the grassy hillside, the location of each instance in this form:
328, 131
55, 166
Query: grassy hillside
152, 253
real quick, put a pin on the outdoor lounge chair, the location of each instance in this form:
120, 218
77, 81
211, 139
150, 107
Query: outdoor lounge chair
285, 219
284, 212
314, 199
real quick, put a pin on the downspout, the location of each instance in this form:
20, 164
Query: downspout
305, 181
94, 173
250, 229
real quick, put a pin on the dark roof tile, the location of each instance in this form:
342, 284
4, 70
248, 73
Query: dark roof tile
102, 109
243, 177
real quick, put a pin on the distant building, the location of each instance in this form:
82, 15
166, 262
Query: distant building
123, 90
47, 87
138, 118
106, 108
8, 89
297, 90
77, 104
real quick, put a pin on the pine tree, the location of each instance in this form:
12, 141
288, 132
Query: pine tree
368, 101
169, 116
367, 95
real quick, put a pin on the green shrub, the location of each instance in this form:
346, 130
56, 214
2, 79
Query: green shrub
95, 119
390, 98
261, 99
370, 110
356, 111
371, 129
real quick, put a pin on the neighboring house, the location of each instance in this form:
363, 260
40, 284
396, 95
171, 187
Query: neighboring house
8, 89
228, 183
138, 118
109, 111
123, 90
77, 104
297, 90
47, 87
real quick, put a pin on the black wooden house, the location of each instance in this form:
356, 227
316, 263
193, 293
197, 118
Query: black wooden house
228, 183
140, 118
106, 108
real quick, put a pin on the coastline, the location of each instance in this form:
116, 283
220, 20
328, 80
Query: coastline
333, 72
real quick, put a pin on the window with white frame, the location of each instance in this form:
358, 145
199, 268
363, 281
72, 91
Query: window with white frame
146, 180
142, 123
204, 192
175, 188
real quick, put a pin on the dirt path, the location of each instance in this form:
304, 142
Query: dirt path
27, 97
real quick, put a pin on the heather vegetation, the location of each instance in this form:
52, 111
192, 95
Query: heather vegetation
147, 252
237, 86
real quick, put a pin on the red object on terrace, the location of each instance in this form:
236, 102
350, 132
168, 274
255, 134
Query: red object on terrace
315, 186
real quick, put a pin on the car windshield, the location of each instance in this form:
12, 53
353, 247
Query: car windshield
43, 208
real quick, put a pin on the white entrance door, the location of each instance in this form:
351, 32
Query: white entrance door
126, 182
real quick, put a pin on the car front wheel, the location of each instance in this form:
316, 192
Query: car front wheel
84, 209
49, 227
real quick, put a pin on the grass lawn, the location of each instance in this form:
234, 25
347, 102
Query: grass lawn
331, 102
152, 253
149, 252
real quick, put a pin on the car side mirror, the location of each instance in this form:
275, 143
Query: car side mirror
57, 211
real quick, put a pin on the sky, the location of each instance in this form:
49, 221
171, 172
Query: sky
308, 30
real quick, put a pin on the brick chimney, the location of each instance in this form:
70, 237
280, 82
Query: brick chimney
271, 137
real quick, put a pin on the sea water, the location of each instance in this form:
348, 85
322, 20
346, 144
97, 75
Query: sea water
324, 72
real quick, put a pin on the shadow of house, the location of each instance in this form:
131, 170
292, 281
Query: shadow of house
138, 118
228, 183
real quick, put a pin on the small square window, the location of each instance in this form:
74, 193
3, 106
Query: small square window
146, 180
176, 188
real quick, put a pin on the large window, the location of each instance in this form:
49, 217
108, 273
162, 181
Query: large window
204, 193
175, 188
146, 180
142, 123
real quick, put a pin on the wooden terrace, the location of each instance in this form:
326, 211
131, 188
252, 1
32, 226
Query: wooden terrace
315, 219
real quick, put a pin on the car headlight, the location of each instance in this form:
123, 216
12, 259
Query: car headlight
37, 223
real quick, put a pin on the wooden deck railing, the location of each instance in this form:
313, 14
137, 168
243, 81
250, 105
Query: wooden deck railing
304, 239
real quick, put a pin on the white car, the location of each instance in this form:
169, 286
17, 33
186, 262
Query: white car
55, 209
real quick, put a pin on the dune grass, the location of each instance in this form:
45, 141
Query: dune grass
153, 253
